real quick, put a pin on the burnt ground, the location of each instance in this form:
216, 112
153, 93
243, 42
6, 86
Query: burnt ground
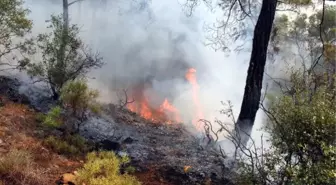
165, 154
167, 148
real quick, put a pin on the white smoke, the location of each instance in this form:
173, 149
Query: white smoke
137, 38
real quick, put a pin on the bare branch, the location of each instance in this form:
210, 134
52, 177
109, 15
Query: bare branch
73, 2
124, 101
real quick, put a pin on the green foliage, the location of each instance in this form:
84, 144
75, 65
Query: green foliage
53, 118
130, 169
302, 135
60, 146
307, 33
77, 141
14, 26
103, 168
40, 117
69, 145
77, 96
56, 69
328, 26
303, 129
307, 28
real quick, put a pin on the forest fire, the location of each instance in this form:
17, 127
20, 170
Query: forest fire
166, 112
191, 77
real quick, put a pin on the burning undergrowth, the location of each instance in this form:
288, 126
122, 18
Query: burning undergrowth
156, 108
155, 137
155, 140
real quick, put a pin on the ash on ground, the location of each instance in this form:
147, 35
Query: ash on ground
168, 148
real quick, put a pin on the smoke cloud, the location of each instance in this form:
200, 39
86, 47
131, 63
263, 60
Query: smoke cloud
140, 41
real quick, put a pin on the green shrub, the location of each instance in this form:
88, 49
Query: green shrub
68, 145
130, 169
77, 141
40, 117
302, 134
303, 131
103, 168
76, 96
61, 146
53, 118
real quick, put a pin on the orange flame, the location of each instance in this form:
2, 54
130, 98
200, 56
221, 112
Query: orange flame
161, 114
191, 77
166, 106
166, 110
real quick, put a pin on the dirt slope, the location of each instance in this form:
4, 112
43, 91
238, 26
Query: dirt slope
19, 130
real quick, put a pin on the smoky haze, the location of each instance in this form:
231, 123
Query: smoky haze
156, 41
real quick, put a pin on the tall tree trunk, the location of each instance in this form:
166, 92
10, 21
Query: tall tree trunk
255, 73
61, 63
65, 15
64, 41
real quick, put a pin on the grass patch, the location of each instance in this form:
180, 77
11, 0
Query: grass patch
17, 167
70, 145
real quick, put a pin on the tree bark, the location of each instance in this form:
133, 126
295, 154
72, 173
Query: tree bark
65, 15
65, 32
61, 63
255, 73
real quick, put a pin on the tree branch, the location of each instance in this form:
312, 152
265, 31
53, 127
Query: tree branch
73, 2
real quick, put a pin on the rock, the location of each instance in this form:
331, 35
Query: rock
66, 179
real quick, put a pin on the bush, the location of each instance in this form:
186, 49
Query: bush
53, 118
302, 134
69, 145
40, 117
60, 146
76, 96
103, 168
17, 167
303, 131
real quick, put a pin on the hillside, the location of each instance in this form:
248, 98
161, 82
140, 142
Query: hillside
160, 153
